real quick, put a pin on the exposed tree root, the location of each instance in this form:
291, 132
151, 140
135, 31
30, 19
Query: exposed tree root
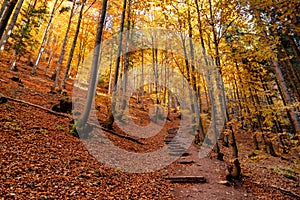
119, 135
37, 106
70, 117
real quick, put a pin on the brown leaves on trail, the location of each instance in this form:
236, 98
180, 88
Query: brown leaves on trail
39, 158
43, 160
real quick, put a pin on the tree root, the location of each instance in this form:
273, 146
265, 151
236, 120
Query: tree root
70, 117
119, 135
37, 106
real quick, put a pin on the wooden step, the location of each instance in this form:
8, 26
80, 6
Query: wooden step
186, 179
186, 154
175, 153
185, 161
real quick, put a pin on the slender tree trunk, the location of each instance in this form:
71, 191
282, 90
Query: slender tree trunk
295, 48
194, 83
68, 66
64, 46
3, 8
200, 27
11, 25
270, 103
127, 54
108, 124
142, 80
41, 50
286, 96
94, 69
110, 69
6, 15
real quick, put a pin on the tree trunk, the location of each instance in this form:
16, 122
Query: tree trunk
127, 54
295, 48
142, 80
194, 84
94, 70
110, 69
64, 46
9, 29
109, 122
41, 50
286, 96
3, 8
68, 66
6, 15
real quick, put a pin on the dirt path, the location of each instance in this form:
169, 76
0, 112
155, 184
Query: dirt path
214, 171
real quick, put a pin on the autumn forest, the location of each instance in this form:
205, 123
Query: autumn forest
171, 99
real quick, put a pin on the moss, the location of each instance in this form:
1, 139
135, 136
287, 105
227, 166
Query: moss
291, 177
74, 131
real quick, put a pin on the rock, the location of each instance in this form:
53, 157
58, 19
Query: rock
3, 100
226, 183
64, 106
16, 79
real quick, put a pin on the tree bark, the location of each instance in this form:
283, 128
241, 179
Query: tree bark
41, 50
10, 27
68, 66
64, 46
193, 79
286, 96
6, 15
108, 124
3, 8
94, 70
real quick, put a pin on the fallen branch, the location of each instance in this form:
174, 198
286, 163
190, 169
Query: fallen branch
70, 117
37, 106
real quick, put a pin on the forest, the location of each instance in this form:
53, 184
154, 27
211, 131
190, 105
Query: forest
170, 99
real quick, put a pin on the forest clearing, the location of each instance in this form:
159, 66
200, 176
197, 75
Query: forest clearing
191, 99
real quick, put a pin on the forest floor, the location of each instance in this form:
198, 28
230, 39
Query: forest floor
40, 159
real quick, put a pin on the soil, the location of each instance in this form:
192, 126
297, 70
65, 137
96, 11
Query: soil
40, 159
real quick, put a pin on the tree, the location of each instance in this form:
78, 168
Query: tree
94, 70
64, 45
108, 124
12, 23
3, 8
41, 50
23, 40
8, 10
68, 66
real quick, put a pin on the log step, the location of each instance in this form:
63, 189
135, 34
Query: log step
186, 162
186, 179
186, 154
175, 154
